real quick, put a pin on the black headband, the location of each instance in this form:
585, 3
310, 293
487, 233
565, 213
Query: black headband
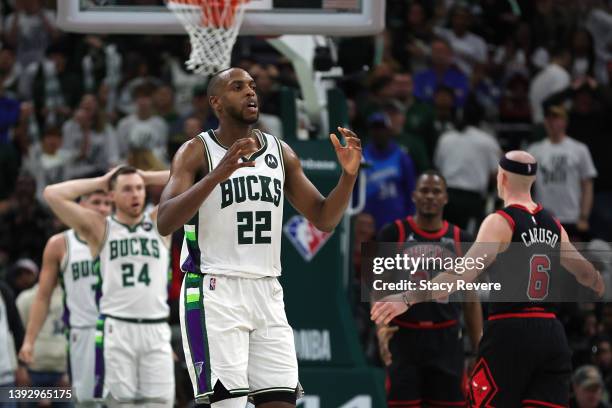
524, 169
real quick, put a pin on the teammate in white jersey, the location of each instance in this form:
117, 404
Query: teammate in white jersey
133, 354
67, 259
226, 187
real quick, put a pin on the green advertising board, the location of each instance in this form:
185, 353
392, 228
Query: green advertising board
333, 370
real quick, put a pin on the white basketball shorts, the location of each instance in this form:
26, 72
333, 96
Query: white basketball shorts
134, 361
82, 350
235, 332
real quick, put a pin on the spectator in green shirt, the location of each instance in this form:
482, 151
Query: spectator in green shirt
396, 113
419, 122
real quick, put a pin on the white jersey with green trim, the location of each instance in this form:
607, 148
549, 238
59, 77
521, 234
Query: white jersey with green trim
237, 229
78, 279
134, 271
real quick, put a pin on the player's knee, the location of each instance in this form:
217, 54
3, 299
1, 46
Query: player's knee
238, 402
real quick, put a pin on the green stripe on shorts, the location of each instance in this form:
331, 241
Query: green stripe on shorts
190, 233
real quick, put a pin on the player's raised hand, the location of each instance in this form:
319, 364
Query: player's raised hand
108, 175
349, 156
387, 308
231, 161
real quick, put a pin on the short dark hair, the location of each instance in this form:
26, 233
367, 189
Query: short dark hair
379, 83
86, 196
433, 173
444, 89
120, 172
146, 89
441, 40
52, 131
214, 81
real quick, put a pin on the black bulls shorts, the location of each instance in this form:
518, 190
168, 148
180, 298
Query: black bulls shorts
426, 368
522, 362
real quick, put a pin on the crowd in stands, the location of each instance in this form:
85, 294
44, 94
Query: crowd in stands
449, 84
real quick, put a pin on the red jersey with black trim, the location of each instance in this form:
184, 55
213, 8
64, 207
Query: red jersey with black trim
445, 242
529, 270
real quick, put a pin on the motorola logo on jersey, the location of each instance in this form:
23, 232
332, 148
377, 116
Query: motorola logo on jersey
271, 161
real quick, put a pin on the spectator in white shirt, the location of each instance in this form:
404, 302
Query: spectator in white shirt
565, 181
31, 29
548, 81
143, 132
469, 48
89, 140
46, 161
467, 157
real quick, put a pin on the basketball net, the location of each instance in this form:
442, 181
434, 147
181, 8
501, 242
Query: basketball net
213, 26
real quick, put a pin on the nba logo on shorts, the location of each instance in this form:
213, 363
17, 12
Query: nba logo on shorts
305, 237
212, 283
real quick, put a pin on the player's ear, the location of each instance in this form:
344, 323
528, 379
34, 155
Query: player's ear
214, 103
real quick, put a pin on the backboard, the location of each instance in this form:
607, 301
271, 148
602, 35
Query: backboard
263, 17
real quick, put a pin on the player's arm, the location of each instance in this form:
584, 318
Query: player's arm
87, 223
472, 314
52, 257
384, 332
493, 236
577, 265
181, 198
155, 178
324, 212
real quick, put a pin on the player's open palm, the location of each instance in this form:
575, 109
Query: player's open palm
231, 161
349, 155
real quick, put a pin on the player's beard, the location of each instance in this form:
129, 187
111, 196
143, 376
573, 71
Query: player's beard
132, 211
239, 117
430, 214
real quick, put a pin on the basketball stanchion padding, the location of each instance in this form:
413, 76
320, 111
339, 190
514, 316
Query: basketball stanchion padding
213, 26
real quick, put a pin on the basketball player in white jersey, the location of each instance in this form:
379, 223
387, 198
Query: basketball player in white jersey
227, 188
67, 259
133, 353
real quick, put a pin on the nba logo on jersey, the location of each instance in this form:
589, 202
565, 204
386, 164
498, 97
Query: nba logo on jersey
305, 237
212, 284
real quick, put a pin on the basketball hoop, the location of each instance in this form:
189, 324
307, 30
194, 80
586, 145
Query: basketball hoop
213, 26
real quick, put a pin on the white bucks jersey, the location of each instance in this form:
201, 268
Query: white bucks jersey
134, 270
78, 279
237, 230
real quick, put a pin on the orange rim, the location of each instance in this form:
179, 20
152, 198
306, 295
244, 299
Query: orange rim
216, 13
